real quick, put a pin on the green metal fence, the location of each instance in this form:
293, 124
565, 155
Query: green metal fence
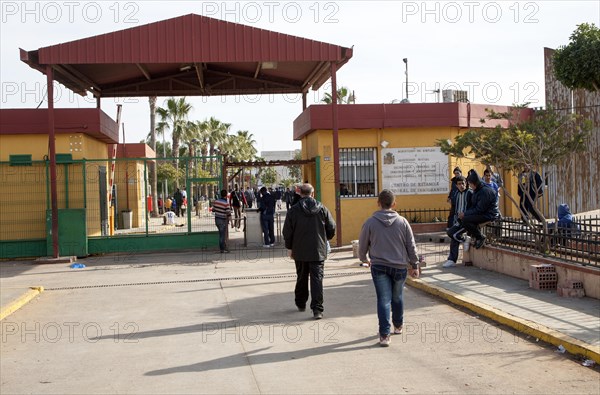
130, 211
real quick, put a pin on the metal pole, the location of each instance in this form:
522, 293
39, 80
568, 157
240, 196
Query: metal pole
52, 149
165, 180
336, 154
406, 73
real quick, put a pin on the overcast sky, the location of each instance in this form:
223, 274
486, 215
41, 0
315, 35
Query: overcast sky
492, 49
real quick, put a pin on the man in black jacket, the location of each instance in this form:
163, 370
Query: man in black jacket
266, 207
483, 208
308, 225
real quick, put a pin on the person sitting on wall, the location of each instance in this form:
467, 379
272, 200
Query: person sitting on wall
460, 202
567, 227
483, 208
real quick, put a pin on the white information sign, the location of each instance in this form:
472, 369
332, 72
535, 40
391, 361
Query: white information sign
414, 171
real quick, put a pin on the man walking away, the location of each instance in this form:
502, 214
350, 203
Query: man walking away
222, 213
389, 241
307, 227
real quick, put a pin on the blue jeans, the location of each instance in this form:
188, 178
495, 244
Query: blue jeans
268, 227
389, 283
222, 226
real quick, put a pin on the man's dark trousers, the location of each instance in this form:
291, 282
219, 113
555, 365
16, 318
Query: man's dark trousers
315, 271
471, 224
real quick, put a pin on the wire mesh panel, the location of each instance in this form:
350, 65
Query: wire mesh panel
23, 201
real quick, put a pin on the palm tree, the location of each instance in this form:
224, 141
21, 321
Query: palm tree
197, 142
343, 96
240, 148
216, 131
175, 116
153, 184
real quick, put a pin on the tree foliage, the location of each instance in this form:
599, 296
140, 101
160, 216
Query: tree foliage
343, 96
577, 65
268, 176
295, 171
544, 139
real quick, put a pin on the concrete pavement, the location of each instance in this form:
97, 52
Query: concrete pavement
204, 322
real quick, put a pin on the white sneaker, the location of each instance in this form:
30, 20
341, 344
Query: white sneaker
384, 341
266, 246
466, 244
449, 263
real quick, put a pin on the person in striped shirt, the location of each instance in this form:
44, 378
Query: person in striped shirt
222, 213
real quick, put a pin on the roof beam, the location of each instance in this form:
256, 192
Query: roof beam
82, 85
82, 77
144, 71
258, 66
322, 77
315, 71
241, 77
200, 74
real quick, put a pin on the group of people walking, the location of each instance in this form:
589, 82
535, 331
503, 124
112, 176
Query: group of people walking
387, 246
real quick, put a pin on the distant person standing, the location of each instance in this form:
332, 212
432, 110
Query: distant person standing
389, 241
289, 197
531, 187
222, 213
249, 195
307, 228
277, 195
178, 196
237, 201
266, 207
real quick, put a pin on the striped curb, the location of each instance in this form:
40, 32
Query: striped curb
541, 332
20, 301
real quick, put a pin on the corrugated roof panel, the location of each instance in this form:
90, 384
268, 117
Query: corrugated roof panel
184, 53
213, 40
125, 47
205, 40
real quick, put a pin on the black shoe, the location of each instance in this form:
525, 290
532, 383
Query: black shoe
479, 243
301, 308
317, 314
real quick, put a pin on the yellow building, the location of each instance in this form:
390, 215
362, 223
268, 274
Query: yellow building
387, 146
83, 175
131, 172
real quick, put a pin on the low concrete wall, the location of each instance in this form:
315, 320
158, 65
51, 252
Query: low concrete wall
517, 264
428, 227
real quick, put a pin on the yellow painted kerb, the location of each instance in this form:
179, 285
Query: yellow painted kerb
572, 345
20, 302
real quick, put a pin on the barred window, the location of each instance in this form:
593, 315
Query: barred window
358, 172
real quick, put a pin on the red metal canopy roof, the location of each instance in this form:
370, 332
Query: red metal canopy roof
190, 55
91, 121
401, 115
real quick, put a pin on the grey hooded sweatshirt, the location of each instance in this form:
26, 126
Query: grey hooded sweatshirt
389, 241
